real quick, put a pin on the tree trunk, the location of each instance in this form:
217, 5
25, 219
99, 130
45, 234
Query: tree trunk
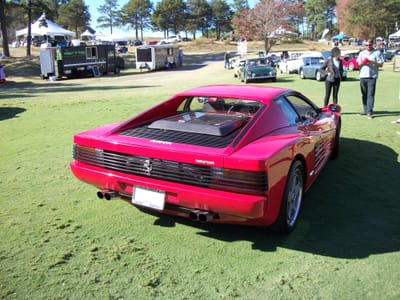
29, 38
6, 50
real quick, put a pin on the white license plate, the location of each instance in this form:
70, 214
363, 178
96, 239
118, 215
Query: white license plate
148, 198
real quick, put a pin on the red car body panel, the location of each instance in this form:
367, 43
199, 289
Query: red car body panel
266, 146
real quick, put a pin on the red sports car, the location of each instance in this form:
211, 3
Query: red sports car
350, 61
219, 153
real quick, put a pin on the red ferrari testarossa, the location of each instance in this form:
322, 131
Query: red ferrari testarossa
219, 153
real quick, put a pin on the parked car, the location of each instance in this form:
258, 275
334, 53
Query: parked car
290, 65
350, 61
135, 43
171, 39
391, 53
220, 153
254, 69
311, 67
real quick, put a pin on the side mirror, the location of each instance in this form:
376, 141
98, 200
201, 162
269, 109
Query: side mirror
334, 108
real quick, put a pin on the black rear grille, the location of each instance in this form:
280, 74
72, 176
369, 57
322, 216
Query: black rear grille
245, 182
181, 137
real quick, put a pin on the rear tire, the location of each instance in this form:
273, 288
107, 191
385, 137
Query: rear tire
335, 150
292, 199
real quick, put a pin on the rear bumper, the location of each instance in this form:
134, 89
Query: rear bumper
231, 207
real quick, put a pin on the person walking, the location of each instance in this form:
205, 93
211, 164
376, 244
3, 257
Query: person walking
369, 60
227, 58
333, 68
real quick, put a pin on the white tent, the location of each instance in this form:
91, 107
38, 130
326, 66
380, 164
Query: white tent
87, 36
38, 29
395, 35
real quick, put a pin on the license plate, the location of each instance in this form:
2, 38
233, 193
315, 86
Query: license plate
148, 198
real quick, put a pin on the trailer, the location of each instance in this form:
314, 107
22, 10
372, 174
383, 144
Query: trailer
156, 57
79, 61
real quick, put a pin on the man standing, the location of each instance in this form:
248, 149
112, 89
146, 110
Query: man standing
370, 61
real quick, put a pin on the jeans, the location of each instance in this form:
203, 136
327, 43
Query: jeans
368, 86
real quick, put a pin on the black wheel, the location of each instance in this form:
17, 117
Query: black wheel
292, 198
335, 150
117, 70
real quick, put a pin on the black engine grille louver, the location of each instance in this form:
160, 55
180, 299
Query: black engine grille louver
181, 137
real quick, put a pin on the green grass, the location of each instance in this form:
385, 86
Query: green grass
58, 241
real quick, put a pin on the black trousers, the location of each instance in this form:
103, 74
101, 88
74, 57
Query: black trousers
329, 86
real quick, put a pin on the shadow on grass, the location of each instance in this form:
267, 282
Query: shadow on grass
377, 114
19, 89
352, 210
10, 112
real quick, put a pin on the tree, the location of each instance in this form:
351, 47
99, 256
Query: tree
169, 15
74, 15
269, 20
110, 14
137, 13
199, 15
222, 17
320, 15
3, 24
373, 18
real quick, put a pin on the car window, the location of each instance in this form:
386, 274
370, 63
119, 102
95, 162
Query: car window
303, 108
220, 105
287, 110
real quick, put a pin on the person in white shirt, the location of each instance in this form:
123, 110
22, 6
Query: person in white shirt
369, 60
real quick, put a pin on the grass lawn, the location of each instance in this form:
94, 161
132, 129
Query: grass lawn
58, 241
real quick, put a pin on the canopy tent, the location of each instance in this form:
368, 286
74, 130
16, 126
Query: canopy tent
87, 36
44, 27
340, 36
394, 38
87, 33
395, 35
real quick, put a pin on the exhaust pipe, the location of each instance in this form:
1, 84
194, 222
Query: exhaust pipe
106, 194
206, 216
194, 215
201, 215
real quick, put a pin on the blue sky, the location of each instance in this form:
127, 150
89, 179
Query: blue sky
94, 4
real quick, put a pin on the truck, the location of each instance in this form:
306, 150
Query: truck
156, 57
79, 61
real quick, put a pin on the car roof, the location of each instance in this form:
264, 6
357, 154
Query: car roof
251, 92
